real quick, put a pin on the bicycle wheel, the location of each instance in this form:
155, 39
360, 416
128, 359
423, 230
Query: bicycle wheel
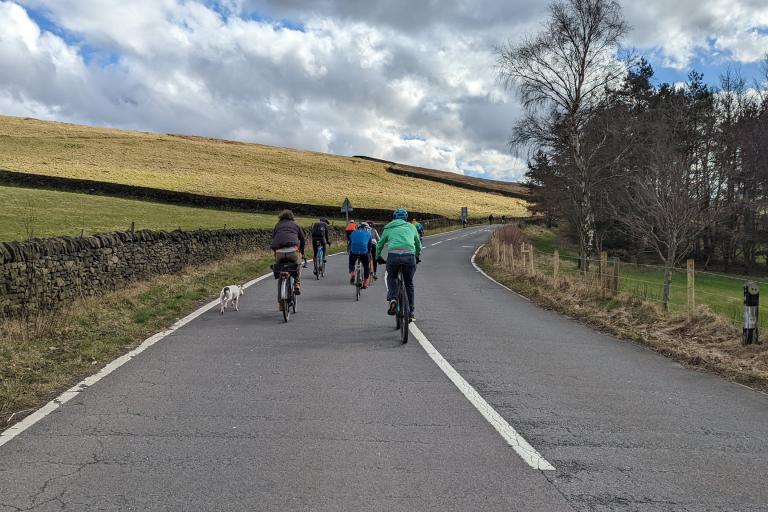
286, 310
404, 313
315, 261
282, 298
358, 279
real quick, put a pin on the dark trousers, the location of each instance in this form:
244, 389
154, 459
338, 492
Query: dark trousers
395, 262
365, 259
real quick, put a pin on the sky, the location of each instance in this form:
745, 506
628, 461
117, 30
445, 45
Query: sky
405, 80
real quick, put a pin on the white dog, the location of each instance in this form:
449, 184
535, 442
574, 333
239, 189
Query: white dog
231, 294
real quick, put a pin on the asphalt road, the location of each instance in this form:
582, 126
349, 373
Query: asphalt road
330, 412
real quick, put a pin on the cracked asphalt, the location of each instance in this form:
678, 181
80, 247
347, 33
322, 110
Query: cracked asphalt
330, 412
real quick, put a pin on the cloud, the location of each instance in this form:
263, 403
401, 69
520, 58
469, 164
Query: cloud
343, 76
728, 30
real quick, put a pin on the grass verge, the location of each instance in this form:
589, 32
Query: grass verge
44, 355
707, 341
722, 293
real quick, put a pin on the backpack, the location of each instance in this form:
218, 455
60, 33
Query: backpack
319, 229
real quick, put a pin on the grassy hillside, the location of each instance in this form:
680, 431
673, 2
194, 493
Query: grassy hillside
499, 187
228, 169
47, 213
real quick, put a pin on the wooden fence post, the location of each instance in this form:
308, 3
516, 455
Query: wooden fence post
523, 259
533, 267
556, 267
691, 289
615, 285
603, 272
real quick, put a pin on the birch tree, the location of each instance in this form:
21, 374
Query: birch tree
563, 76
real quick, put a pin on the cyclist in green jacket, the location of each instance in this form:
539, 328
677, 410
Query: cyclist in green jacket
404, 252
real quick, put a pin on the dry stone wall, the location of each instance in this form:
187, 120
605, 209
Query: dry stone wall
41, 275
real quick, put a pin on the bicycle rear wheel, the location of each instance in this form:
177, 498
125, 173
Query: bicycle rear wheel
286, 310
404, 313
316, 260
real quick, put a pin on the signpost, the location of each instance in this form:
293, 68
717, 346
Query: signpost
464, 215
346, 207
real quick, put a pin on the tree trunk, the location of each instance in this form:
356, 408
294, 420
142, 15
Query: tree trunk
667, 286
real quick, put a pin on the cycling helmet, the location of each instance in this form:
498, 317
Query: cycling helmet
401, 214
362, 225
323, 219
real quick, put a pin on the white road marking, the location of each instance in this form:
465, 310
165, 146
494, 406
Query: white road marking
492, 279
526, 452
84, 384
441, 241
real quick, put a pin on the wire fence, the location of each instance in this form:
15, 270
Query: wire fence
611, 277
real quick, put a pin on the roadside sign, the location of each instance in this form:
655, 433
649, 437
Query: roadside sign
346, 207
464, 213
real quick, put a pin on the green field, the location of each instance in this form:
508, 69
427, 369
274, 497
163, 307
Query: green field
44, 213
229, 169
721, 292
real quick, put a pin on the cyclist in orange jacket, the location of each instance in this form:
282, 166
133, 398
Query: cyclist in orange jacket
351, 227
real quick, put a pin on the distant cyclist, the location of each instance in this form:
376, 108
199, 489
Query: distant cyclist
288, 244
374, 241
321, 237
360, 249
419, 227
404, 251
351, 227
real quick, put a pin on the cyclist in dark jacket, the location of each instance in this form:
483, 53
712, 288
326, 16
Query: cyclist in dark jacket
320, 237
288, 243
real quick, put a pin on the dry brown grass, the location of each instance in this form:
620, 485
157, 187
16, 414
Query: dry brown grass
226, 169
501, 187
707, 341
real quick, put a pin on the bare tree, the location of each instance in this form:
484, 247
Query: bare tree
660, 207
563, 76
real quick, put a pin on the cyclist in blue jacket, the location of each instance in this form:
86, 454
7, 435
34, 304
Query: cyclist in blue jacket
360, 244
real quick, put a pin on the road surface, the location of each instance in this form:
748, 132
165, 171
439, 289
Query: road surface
330, 412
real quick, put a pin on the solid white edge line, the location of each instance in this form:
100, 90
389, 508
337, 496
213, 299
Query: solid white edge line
72, 392
526, 452
13, 431
492, 279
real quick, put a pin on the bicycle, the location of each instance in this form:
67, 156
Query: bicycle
285, 283
359, 278
319, 261
402, 310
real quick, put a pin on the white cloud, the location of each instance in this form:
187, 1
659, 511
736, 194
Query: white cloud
354, 80
729, 29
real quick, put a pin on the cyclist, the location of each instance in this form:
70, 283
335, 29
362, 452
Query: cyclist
320, 237
288, 244
360, 249
351, 227
419, 228
404, 251
374, 241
